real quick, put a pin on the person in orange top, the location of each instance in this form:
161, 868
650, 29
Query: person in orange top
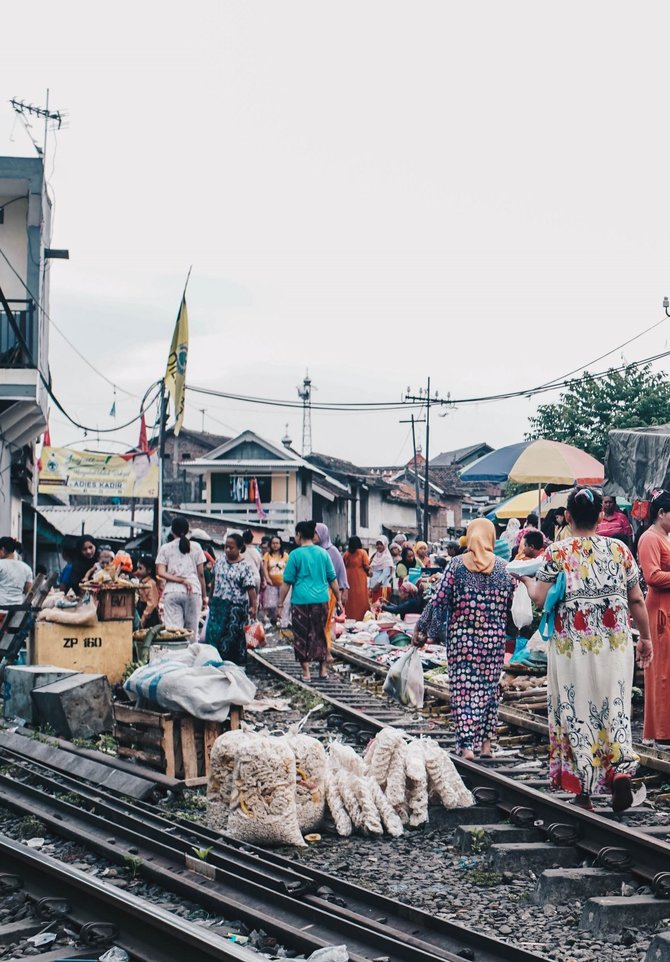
653, 553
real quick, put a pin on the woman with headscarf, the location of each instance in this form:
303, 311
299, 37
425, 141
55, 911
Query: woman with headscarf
422, 554
470, 609
323, 538
357, 563
381, 570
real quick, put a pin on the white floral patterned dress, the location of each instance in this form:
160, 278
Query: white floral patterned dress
590, 670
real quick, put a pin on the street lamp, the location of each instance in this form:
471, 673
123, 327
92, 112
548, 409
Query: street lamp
666, 305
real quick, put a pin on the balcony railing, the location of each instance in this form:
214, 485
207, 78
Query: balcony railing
278, 514
12, 351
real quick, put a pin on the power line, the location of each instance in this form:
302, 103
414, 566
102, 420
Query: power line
62, 334
613, 351
381, 406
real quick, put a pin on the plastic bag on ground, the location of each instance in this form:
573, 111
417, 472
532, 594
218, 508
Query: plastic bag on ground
404, 680
522, 609
330, 953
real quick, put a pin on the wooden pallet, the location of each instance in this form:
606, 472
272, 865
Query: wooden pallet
178, 745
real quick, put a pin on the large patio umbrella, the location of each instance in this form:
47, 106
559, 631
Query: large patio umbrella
537, 462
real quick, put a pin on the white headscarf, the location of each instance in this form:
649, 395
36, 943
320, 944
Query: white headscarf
511, 531
384, 558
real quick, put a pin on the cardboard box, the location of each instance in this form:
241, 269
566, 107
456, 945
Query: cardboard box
105, 648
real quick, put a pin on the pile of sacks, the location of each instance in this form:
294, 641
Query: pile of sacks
271, 790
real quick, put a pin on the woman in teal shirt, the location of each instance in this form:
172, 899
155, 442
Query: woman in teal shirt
309, 572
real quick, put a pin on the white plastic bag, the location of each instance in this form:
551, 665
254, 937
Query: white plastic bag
405, 679
522, 609
537, 643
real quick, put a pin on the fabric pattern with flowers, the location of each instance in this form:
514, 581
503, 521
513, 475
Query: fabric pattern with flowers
474, 607
590, 664
231, 581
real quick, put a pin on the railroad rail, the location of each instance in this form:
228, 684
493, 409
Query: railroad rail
102, 915
303, 908
641, 850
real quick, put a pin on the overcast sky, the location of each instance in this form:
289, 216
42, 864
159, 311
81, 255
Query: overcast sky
378, 191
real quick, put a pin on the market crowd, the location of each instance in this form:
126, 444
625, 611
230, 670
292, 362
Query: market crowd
579, 568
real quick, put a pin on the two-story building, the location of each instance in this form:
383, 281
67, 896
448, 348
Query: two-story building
25, 228
249, 480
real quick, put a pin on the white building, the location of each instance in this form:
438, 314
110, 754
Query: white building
25, 230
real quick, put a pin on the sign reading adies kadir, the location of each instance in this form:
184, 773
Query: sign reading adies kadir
99, 475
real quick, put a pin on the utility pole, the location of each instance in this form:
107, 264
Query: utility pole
417, 489
424, 397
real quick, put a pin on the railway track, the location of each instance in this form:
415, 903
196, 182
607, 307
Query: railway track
97, 914
526, 824
303, 908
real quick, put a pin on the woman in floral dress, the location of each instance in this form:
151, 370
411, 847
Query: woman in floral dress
234, 601
590, 657
472, 603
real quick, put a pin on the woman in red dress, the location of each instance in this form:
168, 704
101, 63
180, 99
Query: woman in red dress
357, 563
654, 557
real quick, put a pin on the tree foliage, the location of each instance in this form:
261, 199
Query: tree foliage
589, 409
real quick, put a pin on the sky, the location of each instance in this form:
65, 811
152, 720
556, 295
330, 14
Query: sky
375, 192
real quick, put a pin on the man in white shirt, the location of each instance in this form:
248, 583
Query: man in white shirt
16, 577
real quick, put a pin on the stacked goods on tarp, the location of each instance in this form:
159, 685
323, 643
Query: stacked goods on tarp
271, 790
383, 639
194, 681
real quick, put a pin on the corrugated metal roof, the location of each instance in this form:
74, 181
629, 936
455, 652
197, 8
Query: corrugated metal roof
98, 522
227, 466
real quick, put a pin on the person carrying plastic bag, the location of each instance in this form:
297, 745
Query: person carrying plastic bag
471, 606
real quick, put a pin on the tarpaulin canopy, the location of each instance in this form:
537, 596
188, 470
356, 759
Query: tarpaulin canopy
638, 461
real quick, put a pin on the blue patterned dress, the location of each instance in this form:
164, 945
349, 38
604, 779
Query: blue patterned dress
474, 607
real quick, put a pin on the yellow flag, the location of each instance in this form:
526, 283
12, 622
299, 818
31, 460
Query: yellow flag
175, 373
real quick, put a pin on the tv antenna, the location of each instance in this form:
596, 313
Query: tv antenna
305, 395
54, 118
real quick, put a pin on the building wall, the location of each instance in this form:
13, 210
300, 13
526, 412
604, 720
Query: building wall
180, 487
284, 487
14, 245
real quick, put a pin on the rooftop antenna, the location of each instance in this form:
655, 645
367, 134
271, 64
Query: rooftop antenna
305, 395
26, 110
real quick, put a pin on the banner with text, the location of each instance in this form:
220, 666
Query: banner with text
99, 475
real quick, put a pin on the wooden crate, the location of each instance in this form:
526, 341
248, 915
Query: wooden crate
104, 648
177, 745
116, 604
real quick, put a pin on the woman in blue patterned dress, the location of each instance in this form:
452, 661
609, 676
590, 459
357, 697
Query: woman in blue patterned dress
233, 602
473, 602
